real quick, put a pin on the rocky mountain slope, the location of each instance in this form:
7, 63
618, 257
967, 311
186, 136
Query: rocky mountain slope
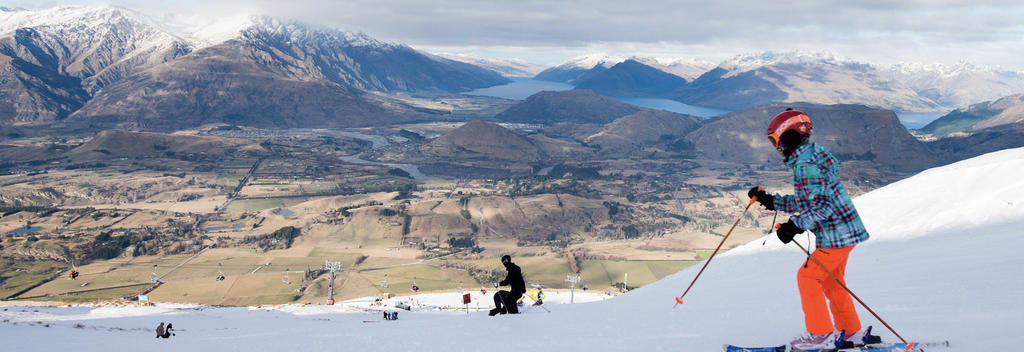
646, 128
229, 83
632, 78
751, 80
1007, 110
578, 106
959, 85
52, 61
479, 140
963, 146
851, 132
120, 67
120, 143
577, 69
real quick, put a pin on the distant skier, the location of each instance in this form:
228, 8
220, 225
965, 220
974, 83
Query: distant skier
160, 330
168, 332
505, 301
819, 204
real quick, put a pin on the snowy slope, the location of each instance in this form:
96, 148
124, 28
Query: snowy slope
943, 263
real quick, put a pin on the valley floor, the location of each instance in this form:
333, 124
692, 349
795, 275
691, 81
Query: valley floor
930, 275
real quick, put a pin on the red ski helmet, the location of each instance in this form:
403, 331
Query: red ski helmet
789, 120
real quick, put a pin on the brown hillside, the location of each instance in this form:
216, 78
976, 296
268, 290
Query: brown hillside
644, 128
479, 140
1012, 112
119, 143
579, 106
851, 132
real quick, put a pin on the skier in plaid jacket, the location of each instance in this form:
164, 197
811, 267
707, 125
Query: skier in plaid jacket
820, 204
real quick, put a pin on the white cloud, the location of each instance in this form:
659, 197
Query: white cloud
985, 32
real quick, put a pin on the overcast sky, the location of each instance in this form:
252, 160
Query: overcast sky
547, 32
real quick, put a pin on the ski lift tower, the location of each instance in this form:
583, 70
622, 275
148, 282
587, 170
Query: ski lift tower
153, 277
333, 267
572, 280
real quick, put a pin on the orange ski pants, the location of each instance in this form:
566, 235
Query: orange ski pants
816, 285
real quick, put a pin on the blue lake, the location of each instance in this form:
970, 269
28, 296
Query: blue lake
287, 212
674, 106
915, 120
521, 88
26, 230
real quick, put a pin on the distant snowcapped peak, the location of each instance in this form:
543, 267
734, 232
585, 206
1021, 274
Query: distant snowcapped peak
591, 61
299, 31
961, 67
80, 18
768, 58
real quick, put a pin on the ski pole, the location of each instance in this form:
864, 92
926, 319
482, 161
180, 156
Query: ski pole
910, 345
537, 305
679, 300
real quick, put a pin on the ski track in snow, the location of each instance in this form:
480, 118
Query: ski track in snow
943, 264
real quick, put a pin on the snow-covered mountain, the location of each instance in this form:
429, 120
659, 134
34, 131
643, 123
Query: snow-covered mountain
631, 78
962, 84
750, 80
354, 59
934, 269
116, 64
98, 44
686, 68
577, 69
1003, 111
52, 60
283, 73
506, 67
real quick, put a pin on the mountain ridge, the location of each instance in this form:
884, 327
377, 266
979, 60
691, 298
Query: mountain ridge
321, 74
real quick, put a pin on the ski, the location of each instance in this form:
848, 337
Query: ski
878, 347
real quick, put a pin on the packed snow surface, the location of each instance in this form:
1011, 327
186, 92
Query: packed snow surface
943, 263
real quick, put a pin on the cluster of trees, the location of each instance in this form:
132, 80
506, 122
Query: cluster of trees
280, 239
465, 242
345, 210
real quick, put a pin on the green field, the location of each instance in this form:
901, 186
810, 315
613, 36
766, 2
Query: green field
35, 274
641, 272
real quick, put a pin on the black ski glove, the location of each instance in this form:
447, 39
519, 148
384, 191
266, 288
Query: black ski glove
766, 200
787, 230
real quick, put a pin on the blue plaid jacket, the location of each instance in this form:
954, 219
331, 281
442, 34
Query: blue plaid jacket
820, 202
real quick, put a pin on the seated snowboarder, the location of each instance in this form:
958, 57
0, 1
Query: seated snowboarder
820, 204
505, 301
160, 330
167, 331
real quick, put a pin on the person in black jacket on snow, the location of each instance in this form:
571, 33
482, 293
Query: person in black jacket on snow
506, 301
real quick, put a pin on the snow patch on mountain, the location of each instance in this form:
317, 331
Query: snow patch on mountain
960, 84
590, 61
506, 67
687, 68
77, 23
